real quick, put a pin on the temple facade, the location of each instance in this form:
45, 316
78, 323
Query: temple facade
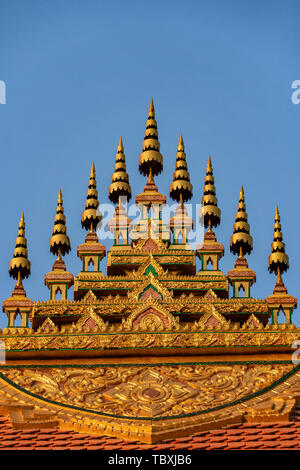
152, 353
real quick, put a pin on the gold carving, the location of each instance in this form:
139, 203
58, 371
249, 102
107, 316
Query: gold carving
142, 391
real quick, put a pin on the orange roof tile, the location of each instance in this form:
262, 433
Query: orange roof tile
244, 436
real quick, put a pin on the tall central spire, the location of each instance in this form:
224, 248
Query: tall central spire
151, 160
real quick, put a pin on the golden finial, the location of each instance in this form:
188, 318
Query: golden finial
181, 190
93, 172
119, 181
278, 259
151, 160
91, 216
59, 199
151, 113
241, 241
59, 242
210, 210
19, 266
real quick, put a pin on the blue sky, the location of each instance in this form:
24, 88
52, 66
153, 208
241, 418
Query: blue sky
79, 74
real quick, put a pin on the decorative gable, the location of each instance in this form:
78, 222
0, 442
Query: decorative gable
90, 322
213, 320
151, 318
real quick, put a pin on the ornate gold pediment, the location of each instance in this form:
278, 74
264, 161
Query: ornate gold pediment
150, 317
149, 245
150, 281
252, 323
47, 327
90, 297
213, 320
90, 322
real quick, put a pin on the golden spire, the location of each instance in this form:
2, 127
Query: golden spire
210, 210
241, 240
19, 266
59, 242
151, 160
181, 190
119, 181
278, 259
91, 216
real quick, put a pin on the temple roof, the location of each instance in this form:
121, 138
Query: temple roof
163, 350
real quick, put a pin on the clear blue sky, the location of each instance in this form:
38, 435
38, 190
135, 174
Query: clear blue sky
81, 73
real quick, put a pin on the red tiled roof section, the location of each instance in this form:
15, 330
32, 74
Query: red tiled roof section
281, 436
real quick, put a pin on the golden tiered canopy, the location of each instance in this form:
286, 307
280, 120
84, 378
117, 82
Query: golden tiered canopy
120, 180
210, 212
278, 259
19, 266
91, 215
151, 160
60, 242
241, 241
181, 189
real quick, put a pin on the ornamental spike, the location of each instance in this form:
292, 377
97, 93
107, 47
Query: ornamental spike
19, 266
91, 215
59, 241
151, 160
278, 259
120, 180
209, 210
241, 241
181, 189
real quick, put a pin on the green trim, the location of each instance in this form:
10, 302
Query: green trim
160, 280
149, 269
148, 287
163, 418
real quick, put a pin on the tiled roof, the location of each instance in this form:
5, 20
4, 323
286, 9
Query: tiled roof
281, 436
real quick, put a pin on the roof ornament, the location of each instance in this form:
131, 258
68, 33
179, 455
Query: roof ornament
91, 215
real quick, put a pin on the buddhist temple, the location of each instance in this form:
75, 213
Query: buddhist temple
159, 349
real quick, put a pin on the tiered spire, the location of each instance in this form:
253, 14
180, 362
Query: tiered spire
91, 216
19, 266
278, 259
278, 264
241, 241
59, 242
181, 189
241, 277
210, 210
119, 181
151, 160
